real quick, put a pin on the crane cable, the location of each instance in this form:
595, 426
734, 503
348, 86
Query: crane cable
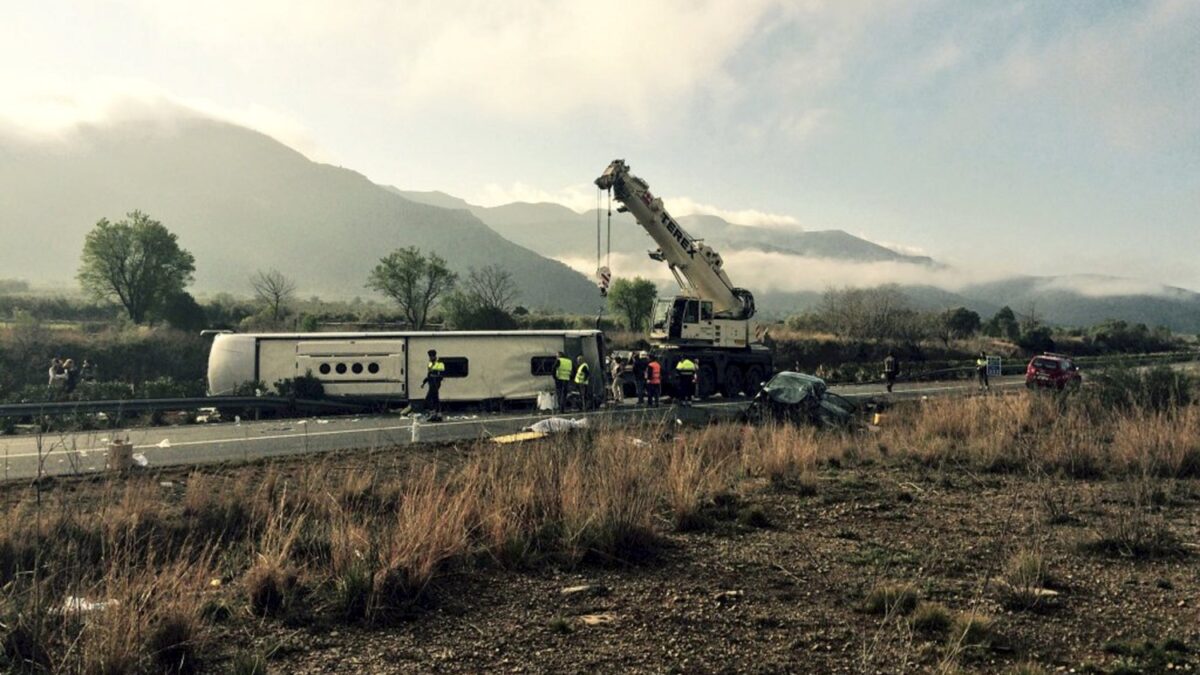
598, 229
608, 253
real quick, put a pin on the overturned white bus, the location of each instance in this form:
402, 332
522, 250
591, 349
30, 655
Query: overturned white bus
480, 365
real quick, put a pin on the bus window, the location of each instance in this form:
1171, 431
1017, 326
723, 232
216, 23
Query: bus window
456, 366
543, 365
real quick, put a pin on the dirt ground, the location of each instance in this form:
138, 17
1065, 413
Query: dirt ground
777, 581
778, 584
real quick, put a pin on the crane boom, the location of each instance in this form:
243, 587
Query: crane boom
700, 265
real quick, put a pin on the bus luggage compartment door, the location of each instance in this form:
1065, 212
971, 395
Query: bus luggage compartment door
355, 367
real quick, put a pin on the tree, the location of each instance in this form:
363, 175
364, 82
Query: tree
1003, 324
962, 322
180, 310
414, 281
485, 302
135, 261
633, 299
880, 313
273, 290
492, 287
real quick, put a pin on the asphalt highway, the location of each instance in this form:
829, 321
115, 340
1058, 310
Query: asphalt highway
85, 452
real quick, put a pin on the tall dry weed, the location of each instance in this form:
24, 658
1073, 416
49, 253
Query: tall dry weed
1153, 443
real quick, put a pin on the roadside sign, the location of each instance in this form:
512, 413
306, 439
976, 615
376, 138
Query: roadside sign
993, 366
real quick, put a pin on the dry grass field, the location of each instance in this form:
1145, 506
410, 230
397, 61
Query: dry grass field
1022, 533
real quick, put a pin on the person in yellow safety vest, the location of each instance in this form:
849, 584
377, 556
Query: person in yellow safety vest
433, 378
981, 365
582, 378
685, 370
562, 381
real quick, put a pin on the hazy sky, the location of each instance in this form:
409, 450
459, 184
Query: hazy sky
1040, 137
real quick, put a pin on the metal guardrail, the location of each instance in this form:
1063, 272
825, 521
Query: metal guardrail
134, 406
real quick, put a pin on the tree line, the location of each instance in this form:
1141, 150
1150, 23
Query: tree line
138, 264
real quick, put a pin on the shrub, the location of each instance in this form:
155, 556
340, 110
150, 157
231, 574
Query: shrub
270, 587
891, 599
972, 630
932, 617
172, 642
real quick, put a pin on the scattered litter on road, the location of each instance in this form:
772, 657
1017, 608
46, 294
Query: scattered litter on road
166, 484
322, 421
164, 443
639, 443
302, 422
77, 604
214, 583
594, 590
140, 459
237, 419
554, 425
597, 619
726, 597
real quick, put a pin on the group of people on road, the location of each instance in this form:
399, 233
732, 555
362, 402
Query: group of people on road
572, 381
646, 373
66, 375
891, 370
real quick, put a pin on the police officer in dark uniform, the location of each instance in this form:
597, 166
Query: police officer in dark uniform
433, 378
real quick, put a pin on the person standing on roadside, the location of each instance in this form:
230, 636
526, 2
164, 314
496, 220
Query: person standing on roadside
562, 381
583, 381
640, 361
981, 368
685, 371
433, 377
891, 368
58, 373
653, 381
72, 376
617, 383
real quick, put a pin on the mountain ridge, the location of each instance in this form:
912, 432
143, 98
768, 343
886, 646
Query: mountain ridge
241, 201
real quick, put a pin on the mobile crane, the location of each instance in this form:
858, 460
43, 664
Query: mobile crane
711, 320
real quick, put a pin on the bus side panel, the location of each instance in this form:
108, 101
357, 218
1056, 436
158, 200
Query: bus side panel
498, 366
276, 361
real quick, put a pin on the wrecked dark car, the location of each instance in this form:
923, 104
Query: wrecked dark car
798, 398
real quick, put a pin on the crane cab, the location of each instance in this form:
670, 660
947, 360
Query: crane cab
689, 320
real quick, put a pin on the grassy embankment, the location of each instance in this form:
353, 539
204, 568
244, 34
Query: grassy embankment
367, 541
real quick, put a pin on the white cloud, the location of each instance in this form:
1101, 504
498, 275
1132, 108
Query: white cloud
52, 109
1123, 75
1099, 287
582, 197
578, 198
800, 126
685, 206
766, 272
536, 59
779, 272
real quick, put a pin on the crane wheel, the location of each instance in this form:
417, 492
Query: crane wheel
733, 382
754, 378
707, 386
